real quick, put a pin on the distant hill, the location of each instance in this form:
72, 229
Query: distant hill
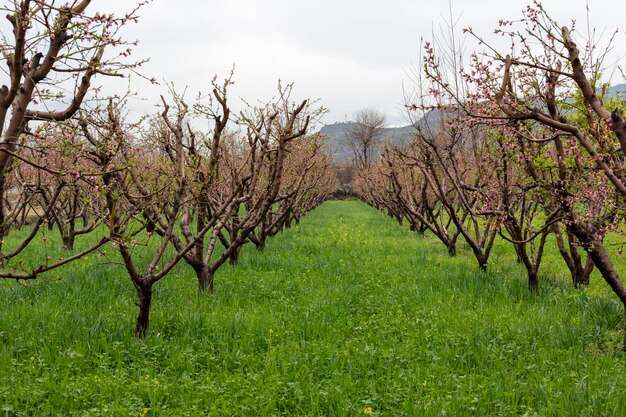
336, 133
618, 90
336, 138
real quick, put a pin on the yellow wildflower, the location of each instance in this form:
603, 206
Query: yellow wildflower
367, 410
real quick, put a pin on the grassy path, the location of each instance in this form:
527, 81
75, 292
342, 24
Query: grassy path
342, 315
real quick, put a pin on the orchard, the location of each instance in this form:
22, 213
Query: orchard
188, 261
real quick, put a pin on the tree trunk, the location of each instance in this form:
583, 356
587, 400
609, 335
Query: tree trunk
597, 252
288, 219
605, 266
533, 282
532, 268
624, 340
481, 258
68, 242
85, 218
451, 248
607, 269
581, 275
234, 257
205, 278
143, 320
23, 214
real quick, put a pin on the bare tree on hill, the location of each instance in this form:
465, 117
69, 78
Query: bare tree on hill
364, 137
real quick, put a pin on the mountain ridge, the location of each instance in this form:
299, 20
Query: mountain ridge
335, 133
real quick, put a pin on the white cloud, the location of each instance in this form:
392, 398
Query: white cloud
349, 53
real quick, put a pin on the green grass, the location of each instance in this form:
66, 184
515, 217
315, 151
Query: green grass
342, 312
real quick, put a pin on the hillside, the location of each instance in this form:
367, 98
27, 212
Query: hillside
336, 133
619, 90
336, 138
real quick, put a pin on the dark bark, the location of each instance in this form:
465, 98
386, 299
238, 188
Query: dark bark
601, 260
85, 218
579, 273
205, 278
144, 293
533, 282
289, 219
482, 265
527, 253
605, 266
68, 241
234, 257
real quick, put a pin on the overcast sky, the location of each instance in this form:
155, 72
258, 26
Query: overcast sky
350, 54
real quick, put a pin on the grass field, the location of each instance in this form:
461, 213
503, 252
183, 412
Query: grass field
346, 314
